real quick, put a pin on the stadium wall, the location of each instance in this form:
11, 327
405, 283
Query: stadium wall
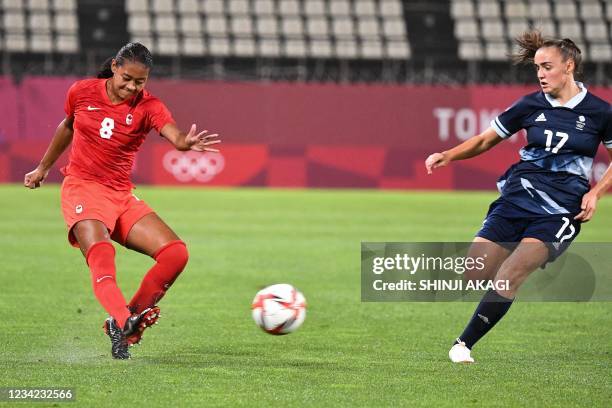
290, 135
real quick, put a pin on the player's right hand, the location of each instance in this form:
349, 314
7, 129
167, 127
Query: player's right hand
35, 178
434, 161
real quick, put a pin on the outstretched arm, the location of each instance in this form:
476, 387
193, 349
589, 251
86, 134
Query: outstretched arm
589, 200
61, 140
199, 142
470, 148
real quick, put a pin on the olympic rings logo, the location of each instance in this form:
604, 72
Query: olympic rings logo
189, 166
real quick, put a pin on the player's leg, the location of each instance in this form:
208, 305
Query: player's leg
151, 236
94, 241
529, 255
494, 255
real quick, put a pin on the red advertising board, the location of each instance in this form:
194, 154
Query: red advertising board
290, 135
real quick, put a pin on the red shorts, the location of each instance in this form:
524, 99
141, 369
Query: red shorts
89, 200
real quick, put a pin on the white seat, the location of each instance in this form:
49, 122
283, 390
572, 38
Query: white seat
398, 50
67, 43
14, 22
164, 24
470, 50
596, 31
315, 8
488, 9
163, 6
547, 27
263, 7
539, 9
591, 10
213, 7
346, 48
167, 45
13, 5
391, 8
64, 5
496, 51
242, 26
570, 29
38, 5
289, 8
516, 9
239, 7
39, 22
216, 26
368, 28
244, 47
295, 48
320, 49
343, 27
193, 46
189, 7
219, 46
394, 27
372, 49
462, 9
317, 27
600, 52
493, 29
42, 43
15, 43
137, 23
267, 26
269, 47
340, 8
137, 6
292, 26
190, 25
66, 23
515, 28
466, 29
365, 8
565, 10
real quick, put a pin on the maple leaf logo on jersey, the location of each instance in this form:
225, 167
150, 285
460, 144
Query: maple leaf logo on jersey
129, 118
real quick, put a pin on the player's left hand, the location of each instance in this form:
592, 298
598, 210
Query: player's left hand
588, 206
200, 142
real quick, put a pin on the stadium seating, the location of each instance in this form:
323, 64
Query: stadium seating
346, 29
485, 28
328, 39
39, 26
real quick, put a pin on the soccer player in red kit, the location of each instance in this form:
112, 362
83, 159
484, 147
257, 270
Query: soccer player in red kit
107, 119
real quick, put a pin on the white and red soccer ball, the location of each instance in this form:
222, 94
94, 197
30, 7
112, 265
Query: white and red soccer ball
279, 309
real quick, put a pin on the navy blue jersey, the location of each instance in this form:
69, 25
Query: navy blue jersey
553, 173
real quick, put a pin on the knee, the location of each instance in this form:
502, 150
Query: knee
173, 254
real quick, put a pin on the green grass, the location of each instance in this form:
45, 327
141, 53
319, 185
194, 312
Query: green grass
207, 351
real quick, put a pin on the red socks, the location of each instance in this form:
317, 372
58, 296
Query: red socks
171, 260
101, 261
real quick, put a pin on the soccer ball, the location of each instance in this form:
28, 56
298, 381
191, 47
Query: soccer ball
279, 309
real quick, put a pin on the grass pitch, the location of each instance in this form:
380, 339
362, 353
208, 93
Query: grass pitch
206, 351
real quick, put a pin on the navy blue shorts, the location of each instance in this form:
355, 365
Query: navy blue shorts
507, 224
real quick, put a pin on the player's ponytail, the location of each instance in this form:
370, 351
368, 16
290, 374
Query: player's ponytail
133, 52
105, 70
528, 43
531, 41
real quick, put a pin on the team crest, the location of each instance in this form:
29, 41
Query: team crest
129, 118
581, 122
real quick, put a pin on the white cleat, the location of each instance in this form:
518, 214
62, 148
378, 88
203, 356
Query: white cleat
459, 353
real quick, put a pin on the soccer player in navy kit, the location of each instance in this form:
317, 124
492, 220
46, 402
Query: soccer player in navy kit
545, 196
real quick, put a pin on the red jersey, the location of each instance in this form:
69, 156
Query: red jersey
106, 135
